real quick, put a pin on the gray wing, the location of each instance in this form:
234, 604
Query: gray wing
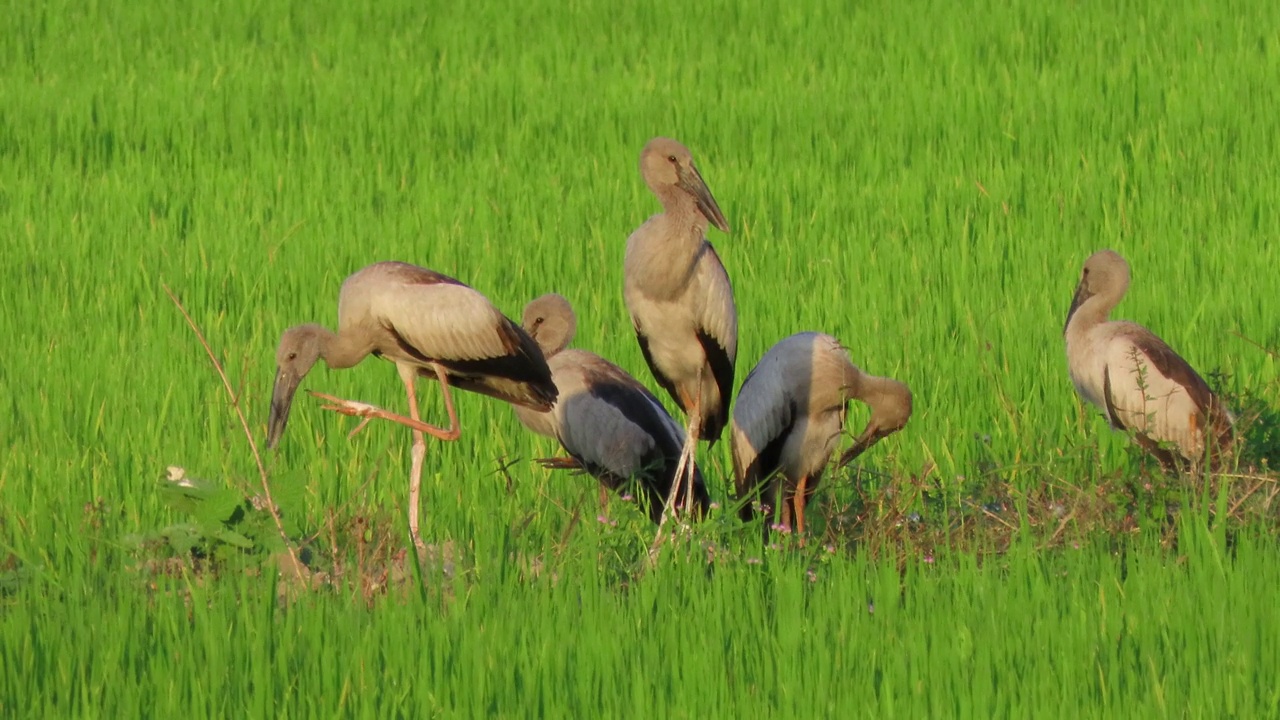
611, 421
763, 416
621, 433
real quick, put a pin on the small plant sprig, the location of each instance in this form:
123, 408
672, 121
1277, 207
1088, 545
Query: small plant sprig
295, 566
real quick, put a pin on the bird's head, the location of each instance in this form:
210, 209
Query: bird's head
891, 406
1105, 273
550, 321
300, 347
667, 167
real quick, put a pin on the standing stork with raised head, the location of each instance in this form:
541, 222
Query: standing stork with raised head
788, 418
680, 299
610, 424
429, 325
1133, 376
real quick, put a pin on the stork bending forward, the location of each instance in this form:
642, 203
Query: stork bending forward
429, 325
788, 418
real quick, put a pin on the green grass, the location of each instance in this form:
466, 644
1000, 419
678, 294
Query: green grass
922, 181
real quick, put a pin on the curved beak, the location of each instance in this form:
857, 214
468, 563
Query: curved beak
691, 182
1082, 294
281, 400
870, 436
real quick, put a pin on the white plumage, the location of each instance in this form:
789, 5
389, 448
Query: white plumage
1133, 376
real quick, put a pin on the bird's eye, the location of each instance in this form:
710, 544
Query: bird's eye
671, 158
537, 321
292, 356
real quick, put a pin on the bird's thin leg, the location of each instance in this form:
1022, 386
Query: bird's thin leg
693, 447
683, 469
669, 509
800, 501
686, 459
691, 458
668, 506
604, 502
408, 375
454, 428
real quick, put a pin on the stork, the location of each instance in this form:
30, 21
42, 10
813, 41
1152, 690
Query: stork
680, 300
429, 325
610, 424
1129, 373
789, 415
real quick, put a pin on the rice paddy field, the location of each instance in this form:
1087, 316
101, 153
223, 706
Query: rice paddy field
922, 180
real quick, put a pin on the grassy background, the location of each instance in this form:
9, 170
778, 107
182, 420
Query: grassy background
922, 180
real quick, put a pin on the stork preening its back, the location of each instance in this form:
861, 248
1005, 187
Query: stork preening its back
1129, 373
607, 421
789, 415
680, 299
429, 325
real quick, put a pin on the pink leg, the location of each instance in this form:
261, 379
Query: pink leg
408, 375
371, 411
684, 470
696, 431
800, 499
417, 454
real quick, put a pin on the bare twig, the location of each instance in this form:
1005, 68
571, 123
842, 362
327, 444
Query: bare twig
1236, 505
1254, 343
1246, 476
296, 565
1062, 524
1267, 503
991, 515
504, 469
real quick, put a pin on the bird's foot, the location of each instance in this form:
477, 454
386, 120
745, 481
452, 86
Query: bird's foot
349, 407
353, 408
560, 463
369, 412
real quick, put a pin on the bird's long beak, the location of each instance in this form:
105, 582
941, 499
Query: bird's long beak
1082, 294
281, 400
870, 436
691, 182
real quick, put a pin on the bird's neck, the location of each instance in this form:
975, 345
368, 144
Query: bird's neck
888, 399
1091, 313
663, 255
686, 234
682, 211
344, 349
554, 336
